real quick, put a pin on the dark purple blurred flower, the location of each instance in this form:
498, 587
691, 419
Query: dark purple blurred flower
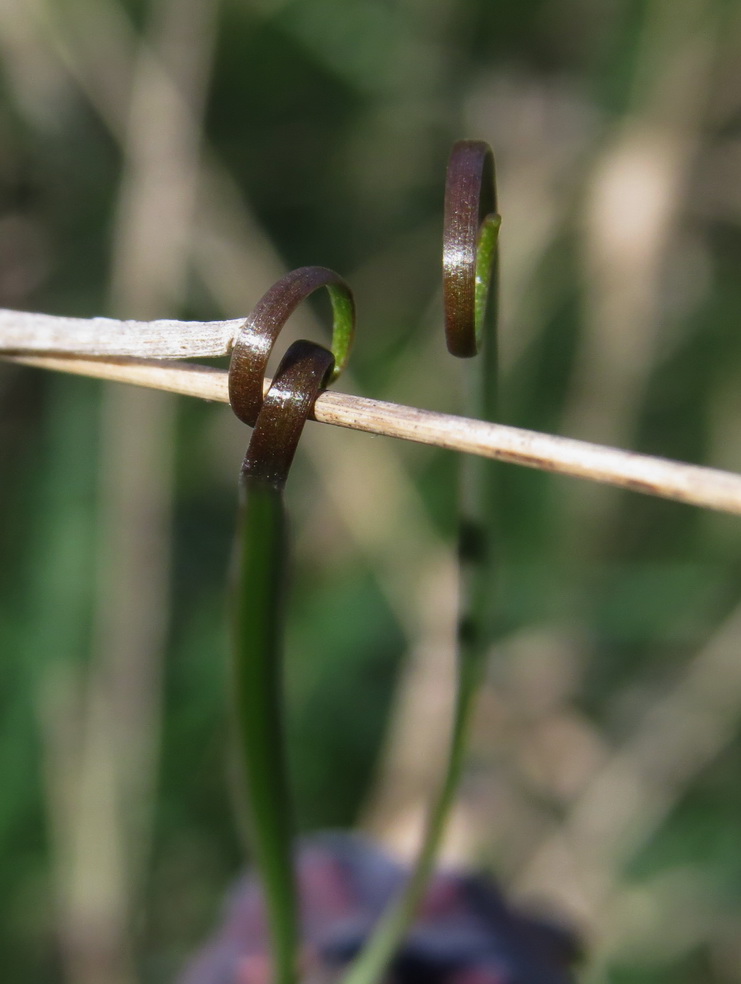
465, 932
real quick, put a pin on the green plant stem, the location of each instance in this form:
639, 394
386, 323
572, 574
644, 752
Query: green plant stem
477, 536
257, 617
389, 933
478, 504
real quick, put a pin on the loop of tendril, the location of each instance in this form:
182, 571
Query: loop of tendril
470, 232
303, 371
258, 334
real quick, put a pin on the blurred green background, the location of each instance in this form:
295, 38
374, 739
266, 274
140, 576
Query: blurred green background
172, 158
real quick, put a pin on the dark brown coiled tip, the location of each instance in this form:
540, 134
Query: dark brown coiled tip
470, 226
303, 372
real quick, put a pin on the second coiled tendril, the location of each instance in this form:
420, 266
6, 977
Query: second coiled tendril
470, 233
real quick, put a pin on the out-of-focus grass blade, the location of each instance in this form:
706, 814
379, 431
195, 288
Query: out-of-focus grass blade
257, 617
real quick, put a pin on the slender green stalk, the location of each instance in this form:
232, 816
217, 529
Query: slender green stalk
257, 615
478, 507
477, 517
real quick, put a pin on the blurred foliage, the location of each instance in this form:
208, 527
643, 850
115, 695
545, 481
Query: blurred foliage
617, 132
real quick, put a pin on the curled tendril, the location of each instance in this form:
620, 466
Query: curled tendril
303, 371
261, 329
471, 227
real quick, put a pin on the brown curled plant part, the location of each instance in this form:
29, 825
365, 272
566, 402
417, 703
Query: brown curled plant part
304, 370
258, 334
470, 233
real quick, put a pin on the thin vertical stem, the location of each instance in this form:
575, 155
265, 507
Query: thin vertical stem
257, 641
474, 301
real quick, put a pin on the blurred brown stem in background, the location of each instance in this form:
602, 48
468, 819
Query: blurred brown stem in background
103, 847
632, 236
634, 788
